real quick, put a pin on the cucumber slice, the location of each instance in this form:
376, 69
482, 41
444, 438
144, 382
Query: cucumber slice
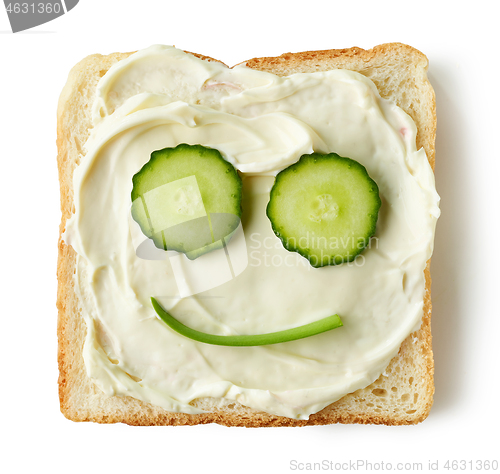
325, 207
188, 199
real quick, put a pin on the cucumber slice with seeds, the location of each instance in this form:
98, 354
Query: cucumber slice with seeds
325, 207
188, 199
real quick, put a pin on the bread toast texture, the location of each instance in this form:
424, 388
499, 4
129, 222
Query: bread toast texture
402, 395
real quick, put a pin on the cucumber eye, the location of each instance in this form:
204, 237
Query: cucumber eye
325, 207
187, 199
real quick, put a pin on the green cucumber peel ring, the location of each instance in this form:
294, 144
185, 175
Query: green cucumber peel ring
325, 208
301, 332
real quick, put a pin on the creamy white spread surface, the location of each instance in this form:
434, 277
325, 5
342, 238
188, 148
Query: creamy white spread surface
160, 97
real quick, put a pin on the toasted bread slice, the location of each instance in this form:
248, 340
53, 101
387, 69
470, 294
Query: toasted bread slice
401, 395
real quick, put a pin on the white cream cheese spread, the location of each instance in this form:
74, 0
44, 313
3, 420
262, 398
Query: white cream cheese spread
160, 97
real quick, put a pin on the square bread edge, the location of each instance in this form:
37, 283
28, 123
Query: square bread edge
402, 395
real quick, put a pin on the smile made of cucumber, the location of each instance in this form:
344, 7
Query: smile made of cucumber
301, 332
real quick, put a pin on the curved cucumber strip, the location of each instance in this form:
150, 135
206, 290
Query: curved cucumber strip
311, 329
325, 207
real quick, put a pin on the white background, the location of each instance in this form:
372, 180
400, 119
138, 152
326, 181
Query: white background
462, 46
